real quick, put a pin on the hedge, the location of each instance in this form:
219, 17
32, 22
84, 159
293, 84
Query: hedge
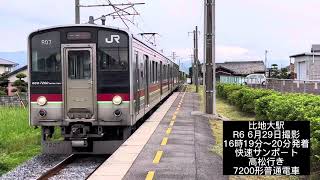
270, 105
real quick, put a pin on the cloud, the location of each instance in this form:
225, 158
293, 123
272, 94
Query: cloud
244, 28
231, 52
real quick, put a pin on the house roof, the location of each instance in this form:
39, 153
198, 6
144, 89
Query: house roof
244, 67
305, 54
223, 69
17, 71
7, 62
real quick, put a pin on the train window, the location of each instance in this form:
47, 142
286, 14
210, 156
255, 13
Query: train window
45, 52
164, 72
44, 61
113, 59
79, 65
156, 71
151, 72
141, 68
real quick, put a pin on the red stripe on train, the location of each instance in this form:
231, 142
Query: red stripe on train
50, 97
109, 97
100, 97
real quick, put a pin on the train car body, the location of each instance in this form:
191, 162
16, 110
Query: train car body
94, 83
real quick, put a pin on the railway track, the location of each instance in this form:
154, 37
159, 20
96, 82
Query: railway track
56, 169
74, 166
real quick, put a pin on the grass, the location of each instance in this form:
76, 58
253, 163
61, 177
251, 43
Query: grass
232, 112
18, 141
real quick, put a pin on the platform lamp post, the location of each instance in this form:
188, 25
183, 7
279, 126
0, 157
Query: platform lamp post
209, 56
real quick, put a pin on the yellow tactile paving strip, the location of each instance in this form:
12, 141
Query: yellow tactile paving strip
157, 158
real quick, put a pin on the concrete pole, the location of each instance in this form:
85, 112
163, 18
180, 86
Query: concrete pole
266, 61
209, 37
77, 11
196, 61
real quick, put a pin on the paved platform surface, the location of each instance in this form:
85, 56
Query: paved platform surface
118, 164
174, 143
180, 147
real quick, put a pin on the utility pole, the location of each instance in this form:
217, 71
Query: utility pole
209, 53
174, 56
195, 62
77, 11
196, 59
192, 68
266, 60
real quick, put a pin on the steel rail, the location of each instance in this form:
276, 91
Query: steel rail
58, 168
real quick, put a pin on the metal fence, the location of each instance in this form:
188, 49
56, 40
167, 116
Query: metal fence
290, 85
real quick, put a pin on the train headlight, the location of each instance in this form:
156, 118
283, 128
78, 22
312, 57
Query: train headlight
41, 101
117, 100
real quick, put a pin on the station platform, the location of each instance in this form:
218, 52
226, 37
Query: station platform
174, 143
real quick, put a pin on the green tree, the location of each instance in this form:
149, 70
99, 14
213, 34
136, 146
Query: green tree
3, 84
20, 85
274, 71
284, 74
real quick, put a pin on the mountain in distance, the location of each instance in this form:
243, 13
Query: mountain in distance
19, 57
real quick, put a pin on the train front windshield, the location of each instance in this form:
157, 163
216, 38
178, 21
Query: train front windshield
112, 55
46, 58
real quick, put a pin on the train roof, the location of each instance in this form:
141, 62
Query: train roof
106, 27
81, 25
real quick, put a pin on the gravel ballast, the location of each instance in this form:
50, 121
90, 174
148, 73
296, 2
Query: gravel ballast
34, 168
80, 169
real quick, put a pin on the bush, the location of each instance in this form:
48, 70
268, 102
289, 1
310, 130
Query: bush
242, 96
224, 90
272, 106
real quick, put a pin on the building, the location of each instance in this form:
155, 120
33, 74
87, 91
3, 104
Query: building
243, 68
307, 65
236, 71
6, 66
12, 78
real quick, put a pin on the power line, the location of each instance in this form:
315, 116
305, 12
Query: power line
120, 10
110, 4
149, 37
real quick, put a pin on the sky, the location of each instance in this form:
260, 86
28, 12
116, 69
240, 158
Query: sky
244, 28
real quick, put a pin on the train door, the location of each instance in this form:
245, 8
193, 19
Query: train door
79, 79
147, 74
161, 78
137, 73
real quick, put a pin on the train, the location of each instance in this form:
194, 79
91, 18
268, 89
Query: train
91, 85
